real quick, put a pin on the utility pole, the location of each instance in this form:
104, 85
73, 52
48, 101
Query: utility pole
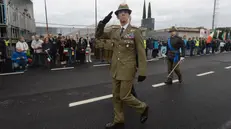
46, 16
214, 13
96, 15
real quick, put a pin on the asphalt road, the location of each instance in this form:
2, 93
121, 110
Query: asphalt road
80, 98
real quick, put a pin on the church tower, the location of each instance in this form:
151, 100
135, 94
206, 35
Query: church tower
147, 22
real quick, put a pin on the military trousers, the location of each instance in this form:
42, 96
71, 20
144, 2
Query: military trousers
172, 65
121, 91
108, 55
101, 54
96, 53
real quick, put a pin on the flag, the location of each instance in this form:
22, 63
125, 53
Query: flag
220, 35
218, 32
224, 36
210, 37
229, 35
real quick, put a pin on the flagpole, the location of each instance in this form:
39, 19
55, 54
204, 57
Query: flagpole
214, 13
46, 16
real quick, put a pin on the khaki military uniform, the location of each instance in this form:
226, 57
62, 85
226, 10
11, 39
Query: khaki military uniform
101, 49
97, 42
108, 49
177, 43
124, 67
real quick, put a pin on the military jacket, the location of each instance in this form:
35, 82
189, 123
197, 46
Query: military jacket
101, 43
126, 48
108, 44
97, 42
177, 43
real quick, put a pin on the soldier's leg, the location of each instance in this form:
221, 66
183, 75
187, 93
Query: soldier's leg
131, 101
117, 102
170, 67
106, 55
178, 73
101, 54
110, 55
133, 92
97, 53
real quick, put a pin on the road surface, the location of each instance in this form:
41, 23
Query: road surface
80, 98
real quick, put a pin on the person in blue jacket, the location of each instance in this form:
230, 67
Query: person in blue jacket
19, 61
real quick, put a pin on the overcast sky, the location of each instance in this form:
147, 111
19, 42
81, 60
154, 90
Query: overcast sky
191, 13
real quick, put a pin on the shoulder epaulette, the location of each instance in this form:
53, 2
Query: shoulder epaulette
134, 27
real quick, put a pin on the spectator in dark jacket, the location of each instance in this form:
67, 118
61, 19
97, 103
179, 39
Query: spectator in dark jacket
3, 55
81, 47
47, 47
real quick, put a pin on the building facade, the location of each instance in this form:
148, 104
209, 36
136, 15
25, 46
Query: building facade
41, 30
17, 19
163, 34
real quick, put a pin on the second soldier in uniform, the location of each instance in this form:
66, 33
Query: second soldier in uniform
127, 42
174, 45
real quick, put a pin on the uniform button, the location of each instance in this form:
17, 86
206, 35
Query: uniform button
119, 45
118, 52
118, 58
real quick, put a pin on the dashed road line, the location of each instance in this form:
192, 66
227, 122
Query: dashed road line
13, 73
65, 68
163, 84
154, 59
90, 100
229, 67
100, 65
206, 73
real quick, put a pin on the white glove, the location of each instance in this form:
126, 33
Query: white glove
182, 58
164, 55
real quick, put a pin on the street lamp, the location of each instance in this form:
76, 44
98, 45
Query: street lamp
46, 16
95, 15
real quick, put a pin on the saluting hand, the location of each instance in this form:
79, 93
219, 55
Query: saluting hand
107, 18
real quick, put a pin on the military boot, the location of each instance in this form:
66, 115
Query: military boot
144, 115
180, 79
168, 81
114, 126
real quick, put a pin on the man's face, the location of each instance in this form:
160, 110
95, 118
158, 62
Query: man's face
173, 33
37, 38
22, 39
123, 16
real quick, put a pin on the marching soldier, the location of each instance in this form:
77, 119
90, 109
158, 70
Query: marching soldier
174, 45
128, 43
107, 50
97, 42
101, 49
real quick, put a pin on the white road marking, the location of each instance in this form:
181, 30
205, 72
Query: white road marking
65, 68
90, 100
206, 73
14, 73
154, 59
229, 67
163, 84
99, 65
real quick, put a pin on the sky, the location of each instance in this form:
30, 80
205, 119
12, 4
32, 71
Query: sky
186, 13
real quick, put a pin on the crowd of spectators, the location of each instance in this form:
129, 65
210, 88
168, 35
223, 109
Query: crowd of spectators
63, 51
48, 52
193, 46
